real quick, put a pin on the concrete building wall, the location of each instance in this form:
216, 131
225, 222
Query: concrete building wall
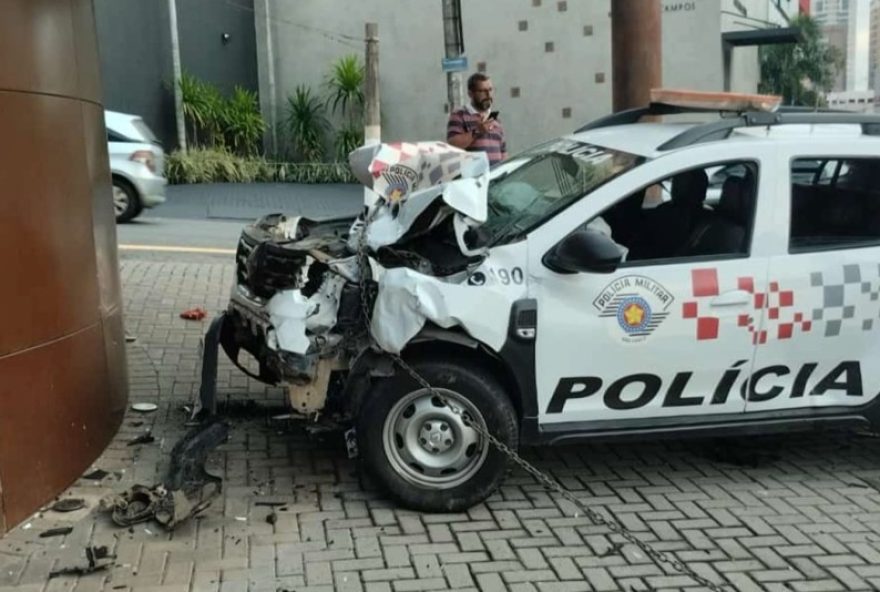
874, 47
860, 101
836, 36
692, 45
550, 59
550, 62
134, 41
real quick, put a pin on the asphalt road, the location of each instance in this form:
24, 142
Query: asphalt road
209, 218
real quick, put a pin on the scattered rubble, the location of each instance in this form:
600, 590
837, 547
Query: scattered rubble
70, 504
142, 439
97, 558
194, 314
53, 532
186, 491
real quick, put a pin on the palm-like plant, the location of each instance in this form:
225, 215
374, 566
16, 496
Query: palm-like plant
194, 107
244, 123
346, 92
307, 124
346, 86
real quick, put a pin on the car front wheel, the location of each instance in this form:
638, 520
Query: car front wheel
423, 445
125, 201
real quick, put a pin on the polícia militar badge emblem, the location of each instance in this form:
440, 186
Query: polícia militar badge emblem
638, 304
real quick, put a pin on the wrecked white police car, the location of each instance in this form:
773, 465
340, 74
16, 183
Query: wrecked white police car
585, 288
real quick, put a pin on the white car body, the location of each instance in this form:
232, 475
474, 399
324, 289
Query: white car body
137, 160
778, 335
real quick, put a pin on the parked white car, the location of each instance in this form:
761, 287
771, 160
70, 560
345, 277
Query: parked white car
136, 164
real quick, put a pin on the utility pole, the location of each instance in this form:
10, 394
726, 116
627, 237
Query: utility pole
454, 40
372, 118
178, 93
270, 76
635, 51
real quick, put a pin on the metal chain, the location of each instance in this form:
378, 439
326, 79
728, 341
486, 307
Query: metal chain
547, 481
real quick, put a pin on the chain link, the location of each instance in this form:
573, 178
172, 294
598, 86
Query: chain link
547, 481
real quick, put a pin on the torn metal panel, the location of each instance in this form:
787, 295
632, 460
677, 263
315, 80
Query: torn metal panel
409, 178
310, 398
407, 299
294, 316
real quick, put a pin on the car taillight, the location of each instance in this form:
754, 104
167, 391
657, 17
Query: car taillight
146, 158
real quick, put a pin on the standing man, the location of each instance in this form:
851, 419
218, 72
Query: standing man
475, 127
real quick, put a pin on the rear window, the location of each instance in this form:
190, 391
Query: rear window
835, 203
117, 137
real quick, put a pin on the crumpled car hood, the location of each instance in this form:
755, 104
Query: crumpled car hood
407, 178
424, 199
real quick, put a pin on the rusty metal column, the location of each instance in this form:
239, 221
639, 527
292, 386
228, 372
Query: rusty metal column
636, 57
63, 377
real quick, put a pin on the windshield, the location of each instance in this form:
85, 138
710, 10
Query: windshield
530, 188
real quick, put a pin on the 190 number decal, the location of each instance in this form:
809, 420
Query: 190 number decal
503, 275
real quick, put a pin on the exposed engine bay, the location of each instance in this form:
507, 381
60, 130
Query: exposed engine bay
307, 291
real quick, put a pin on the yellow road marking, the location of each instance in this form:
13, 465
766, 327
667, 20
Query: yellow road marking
177, 249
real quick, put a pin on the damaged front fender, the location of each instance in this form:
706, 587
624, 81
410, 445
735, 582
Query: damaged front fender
407, 300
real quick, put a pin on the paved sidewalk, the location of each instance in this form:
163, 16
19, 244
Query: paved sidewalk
787, 514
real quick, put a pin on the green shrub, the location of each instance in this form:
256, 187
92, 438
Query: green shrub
219, 165
243, 122
307, 124
214, 121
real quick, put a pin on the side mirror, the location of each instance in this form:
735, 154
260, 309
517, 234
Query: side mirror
584, 250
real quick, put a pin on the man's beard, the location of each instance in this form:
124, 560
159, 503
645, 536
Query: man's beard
483, 105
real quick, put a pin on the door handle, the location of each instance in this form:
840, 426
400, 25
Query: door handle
733, 298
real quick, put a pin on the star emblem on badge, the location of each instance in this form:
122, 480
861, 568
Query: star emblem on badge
634, 315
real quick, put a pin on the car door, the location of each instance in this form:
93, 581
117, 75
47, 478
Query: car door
820, 344
656, 342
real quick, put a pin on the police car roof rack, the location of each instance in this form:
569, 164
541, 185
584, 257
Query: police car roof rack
630, 116
673, 101
721, 129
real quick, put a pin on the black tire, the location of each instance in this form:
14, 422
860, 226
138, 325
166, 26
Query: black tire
132, 206
487, 465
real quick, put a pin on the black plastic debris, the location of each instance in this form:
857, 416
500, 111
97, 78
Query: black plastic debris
96, 475
614, 549
53, 532
97, 558
272, 518
70, 504
187, 489
142, 439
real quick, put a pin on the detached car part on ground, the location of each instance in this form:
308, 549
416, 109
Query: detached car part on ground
506, 292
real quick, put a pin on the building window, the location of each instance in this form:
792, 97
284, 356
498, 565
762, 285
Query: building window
481, 67
524, 25
600, 77
536, 2
566, 113
562, 6
549, 47
588, 30
514, 92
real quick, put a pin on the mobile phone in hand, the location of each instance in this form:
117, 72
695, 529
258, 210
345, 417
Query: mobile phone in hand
494, 115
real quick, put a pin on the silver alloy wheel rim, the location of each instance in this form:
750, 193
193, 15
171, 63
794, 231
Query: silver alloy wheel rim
429, 445
120, 200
